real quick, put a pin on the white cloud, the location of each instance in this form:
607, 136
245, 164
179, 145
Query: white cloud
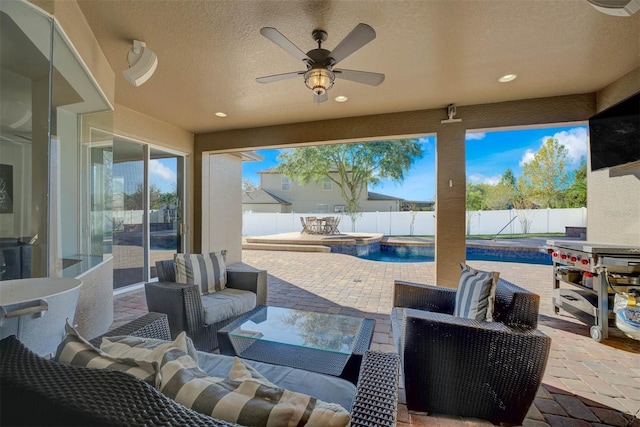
160, 171
478, 178
475, 136
527, 156
574, 140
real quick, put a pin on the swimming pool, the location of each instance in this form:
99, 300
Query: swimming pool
392, 254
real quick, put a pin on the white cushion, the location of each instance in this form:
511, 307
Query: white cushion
324, 387
225, 304
209, 272
476, 294
248, 401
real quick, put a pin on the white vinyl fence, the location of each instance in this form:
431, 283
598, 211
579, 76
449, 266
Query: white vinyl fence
423, 223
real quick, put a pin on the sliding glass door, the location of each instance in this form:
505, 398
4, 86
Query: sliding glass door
166, 196
148, 202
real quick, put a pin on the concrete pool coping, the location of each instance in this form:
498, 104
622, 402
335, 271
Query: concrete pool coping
322, 243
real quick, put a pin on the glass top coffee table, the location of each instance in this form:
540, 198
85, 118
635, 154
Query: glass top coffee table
327, 343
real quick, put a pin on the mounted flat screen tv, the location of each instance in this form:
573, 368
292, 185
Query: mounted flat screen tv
614, 134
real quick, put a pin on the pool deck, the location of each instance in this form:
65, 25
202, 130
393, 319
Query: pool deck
585, 384
303, 242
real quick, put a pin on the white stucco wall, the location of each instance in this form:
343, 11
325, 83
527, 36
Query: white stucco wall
222, 205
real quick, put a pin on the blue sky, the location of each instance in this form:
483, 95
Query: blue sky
488, 156
162, 173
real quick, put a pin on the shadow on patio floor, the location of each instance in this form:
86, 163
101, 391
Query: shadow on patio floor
586, 383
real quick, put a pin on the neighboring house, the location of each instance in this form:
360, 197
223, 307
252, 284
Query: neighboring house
262, 201
280, 194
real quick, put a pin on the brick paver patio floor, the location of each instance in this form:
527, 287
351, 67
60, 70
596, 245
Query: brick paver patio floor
585, 383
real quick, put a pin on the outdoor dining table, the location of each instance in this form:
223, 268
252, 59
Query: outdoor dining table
314, 225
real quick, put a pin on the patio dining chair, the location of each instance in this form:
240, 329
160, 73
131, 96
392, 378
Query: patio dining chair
312, 224
306, 228
331, 226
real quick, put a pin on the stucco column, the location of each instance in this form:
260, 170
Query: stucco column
450, 241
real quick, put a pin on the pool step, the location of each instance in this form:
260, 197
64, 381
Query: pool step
286, 247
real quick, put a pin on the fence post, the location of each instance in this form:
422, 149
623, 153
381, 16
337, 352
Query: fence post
548, 214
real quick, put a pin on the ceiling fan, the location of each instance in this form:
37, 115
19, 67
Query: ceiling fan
320, 74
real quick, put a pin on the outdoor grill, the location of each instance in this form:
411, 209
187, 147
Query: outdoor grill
589, 269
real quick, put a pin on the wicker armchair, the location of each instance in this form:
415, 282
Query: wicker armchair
182, 303
464, 367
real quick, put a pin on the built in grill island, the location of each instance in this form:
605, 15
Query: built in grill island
586, 276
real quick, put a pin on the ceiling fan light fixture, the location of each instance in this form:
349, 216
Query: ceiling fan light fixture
319, 80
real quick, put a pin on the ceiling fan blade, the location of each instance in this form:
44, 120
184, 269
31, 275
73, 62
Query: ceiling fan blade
365, 77
276, 77
277, 37
320, 98
358, 37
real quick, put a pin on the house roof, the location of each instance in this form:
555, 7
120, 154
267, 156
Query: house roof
378, 196
433, 53
261, 196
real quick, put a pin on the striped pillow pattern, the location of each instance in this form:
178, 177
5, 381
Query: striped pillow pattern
209, 272
246, 402
146, 349
476, 294
75, 350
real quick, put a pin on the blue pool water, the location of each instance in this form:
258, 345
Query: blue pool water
473, 254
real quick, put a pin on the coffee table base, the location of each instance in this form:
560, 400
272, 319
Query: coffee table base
341, 365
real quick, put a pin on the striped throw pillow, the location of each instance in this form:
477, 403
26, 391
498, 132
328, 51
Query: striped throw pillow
247, 402
75, 350
476, 294
209, 272
146, 349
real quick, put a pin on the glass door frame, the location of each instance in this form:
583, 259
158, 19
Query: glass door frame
146, 228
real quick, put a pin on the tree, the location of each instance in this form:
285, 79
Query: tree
352, 167
577, 193
248, 185
503, 195
476, 194
545, 178
157, 199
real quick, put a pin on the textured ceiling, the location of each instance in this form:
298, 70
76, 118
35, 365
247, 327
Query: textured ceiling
433, 53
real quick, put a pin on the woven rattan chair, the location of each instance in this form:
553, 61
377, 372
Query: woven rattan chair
464, 367
182, 303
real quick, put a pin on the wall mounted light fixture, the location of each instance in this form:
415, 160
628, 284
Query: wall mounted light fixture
142, 64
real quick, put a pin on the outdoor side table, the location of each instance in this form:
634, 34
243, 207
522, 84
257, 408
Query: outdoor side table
330, 344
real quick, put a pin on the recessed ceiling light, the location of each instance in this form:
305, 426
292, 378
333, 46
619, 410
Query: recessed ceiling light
221, 114
341, 98
507, 78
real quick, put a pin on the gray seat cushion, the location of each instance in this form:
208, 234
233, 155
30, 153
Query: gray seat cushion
227, 303
323, 387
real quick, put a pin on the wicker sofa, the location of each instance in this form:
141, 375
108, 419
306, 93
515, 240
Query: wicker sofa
186, 310
464, 367
74, 395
